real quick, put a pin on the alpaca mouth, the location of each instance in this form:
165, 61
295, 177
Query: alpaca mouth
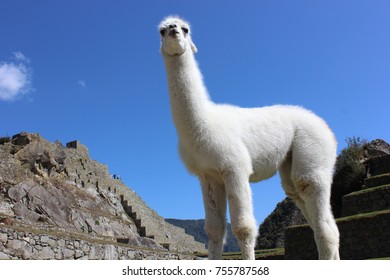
173, 33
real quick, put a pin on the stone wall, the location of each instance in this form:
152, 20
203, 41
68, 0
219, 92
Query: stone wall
19, 243
361, 237
365, 236
362, 201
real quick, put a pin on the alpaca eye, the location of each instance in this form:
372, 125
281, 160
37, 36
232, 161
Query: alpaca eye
185, 30
162, 31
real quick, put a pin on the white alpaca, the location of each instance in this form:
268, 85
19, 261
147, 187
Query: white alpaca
227, 147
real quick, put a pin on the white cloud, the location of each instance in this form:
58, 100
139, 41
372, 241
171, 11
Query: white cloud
82, 83
21, 57
15, 78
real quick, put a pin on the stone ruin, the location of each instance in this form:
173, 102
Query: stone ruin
52, 195
364, 224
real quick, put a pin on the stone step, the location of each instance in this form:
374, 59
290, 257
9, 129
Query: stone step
139, 214
376, 181
366, 200
363, 236
150, 224
133, 215
378, 165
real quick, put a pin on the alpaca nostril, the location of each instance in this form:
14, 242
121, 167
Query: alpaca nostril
173, 30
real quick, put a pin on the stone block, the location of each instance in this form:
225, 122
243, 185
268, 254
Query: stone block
51, 242
3, 237
68, 254
46, 253
96, 253
78, 254
61, 243
15, 245
44, 239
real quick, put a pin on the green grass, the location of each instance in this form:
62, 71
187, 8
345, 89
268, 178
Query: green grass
364, 191
376, 181
351, 218
259, 254
363, 216
379, 176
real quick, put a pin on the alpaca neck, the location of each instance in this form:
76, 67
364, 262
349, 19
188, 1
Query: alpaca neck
188, 95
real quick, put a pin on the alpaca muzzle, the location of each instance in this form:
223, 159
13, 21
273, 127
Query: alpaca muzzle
173, 32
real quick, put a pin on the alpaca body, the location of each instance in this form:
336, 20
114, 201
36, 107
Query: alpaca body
259, 139
226, 147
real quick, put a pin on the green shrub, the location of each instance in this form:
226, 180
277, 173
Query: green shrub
4, 140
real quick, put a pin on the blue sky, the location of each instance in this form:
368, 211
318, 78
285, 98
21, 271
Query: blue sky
92, 71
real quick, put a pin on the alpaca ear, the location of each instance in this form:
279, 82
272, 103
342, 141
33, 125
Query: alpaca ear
193, 48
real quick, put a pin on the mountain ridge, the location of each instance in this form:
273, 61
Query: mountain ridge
195, 227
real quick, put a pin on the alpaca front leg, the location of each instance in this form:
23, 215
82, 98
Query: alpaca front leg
241, 213
214, 198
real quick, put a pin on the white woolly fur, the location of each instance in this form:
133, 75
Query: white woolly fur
227, 147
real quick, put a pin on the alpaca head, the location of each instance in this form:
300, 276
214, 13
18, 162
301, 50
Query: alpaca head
175, 37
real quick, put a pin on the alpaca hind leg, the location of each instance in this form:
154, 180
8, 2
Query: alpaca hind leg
214, 199
316, 198
241, 213
289, 188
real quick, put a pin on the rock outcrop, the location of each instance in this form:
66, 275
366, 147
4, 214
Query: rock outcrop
271, 230
46, 186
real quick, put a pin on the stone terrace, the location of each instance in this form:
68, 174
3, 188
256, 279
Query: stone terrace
46, 165
148, 222
365, 225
